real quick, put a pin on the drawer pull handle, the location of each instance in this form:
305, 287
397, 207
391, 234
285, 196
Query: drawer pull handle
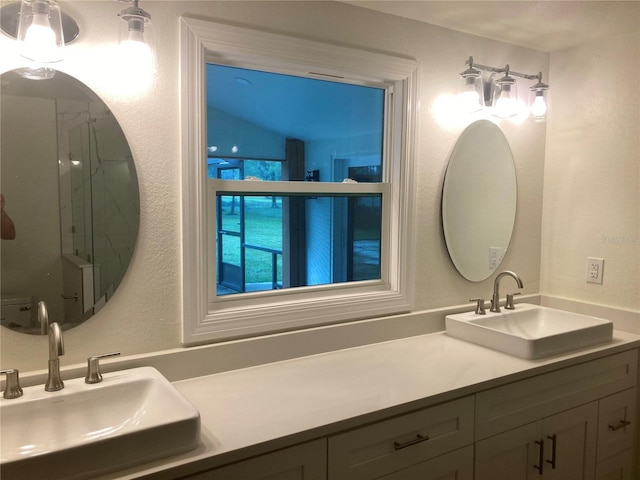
553, 439
419, 439
622, 424
540, 466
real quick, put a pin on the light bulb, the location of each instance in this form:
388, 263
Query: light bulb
471, 90
470, 101
505, 107
539, 107
40, 32
137, 53
505, 101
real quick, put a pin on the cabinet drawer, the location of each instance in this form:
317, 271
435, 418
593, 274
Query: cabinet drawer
456, 465
389, 446
302, 462
506, 407
616, 423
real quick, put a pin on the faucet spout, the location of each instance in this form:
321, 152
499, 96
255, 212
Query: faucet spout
56, 348
495, 299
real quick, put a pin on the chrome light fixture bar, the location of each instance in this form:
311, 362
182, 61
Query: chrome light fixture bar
501, 93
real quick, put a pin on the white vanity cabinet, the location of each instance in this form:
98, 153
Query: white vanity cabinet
559, 447
573, 423
542, 428
307, 461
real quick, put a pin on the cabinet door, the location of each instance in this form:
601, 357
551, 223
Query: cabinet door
512, 455
457, 465
616, 423
618, 467
570, 443
302, 462
560, 447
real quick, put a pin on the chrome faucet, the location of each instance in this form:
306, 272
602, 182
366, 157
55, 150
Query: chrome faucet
495, 300
56, 348
43, 317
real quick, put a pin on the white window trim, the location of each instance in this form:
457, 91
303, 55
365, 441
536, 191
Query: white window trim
204, 321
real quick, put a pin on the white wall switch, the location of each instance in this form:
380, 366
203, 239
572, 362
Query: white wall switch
595, 269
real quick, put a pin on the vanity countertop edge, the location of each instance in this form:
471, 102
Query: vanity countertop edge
320, 395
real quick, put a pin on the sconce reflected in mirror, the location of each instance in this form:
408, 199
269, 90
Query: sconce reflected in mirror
500, 94
41, 30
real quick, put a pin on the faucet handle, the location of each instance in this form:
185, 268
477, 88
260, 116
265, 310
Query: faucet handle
479, 306
12, 389
93, 367
509, 303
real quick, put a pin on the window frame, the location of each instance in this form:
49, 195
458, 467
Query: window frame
206, 319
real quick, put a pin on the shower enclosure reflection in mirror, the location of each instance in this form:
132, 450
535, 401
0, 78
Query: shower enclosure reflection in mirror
73, 198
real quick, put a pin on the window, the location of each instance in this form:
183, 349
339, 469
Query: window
274, 237
266, 126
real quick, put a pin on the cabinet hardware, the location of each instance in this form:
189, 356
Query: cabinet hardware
622, 424
553, 439
75, 297
419, 439
540, 466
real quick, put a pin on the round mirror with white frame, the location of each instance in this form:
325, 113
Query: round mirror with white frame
70, 201
479, 200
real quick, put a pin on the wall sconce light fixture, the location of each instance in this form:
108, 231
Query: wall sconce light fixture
501, 94
471, 94
41, 30
136, 38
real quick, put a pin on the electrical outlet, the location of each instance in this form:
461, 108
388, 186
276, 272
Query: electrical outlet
496, 254
595, 269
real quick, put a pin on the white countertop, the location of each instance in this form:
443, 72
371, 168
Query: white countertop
255, 410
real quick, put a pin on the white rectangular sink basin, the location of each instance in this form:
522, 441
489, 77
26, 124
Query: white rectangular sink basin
530, 331
131, 417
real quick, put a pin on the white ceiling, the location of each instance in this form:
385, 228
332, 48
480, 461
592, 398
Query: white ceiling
541, 25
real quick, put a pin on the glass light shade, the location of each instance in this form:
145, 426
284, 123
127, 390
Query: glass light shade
538, 101
136, 43
471, 91
36, 72
505, 97
40, 36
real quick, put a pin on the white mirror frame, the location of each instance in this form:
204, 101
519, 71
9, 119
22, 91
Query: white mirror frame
308, 306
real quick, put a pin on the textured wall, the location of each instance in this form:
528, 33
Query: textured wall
592, 173
145, 313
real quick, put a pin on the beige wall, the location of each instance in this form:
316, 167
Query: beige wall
592, 173
145, 314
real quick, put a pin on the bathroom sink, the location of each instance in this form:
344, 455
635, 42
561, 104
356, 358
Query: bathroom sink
131, 417
530, 331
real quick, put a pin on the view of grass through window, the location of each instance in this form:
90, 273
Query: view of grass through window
264, 126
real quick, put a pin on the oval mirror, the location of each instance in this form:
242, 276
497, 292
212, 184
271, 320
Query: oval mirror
479, 200
70, 202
